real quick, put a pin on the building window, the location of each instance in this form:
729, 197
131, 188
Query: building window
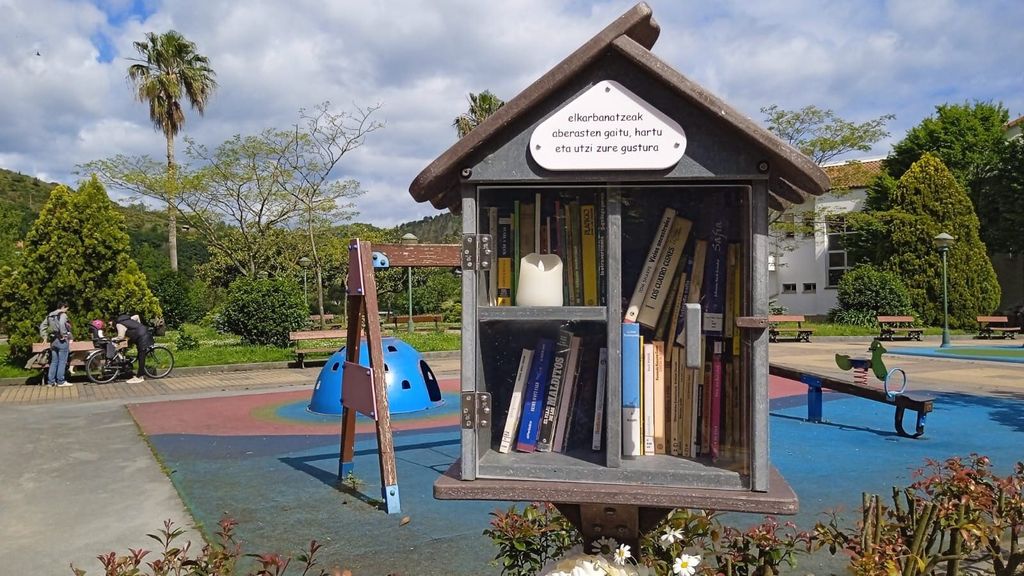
810, 286
838, 262
789, 288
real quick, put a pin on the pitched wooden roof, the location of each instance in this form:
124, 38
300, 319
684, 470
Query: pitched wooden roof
853, 174
794, 176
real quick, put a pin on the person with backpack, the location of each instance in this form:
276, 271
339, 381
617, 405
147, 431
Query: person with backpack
131, 325
56, 329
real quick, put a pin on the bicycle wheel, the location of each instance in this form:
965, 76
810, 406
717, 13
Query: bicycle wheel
99, 369
159, 361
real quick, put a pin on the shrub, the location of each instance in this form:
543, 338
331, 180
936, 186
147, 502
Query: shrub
180, 300
866, 292
264, 311
186, 340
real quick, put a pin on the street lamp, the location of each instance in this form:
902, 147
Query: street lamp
943, 241
305, 263
409, 239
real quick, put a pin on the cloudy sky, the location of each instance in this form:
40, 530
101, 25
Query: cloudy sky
65, 99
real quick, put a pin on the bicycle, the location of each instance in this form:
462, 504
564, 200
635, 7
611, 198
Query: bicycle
102, 368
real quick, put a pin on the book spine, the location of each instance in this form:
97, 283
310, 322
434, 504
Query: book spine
693, 295
715, 429
602, 249
527, 224
660, 398
588, 253
632, 367
668, 260
538, 236
653, 253
577, 253
599, 399
492, 276
516, 256
569, 390
714, 281
555, 389
515, 406
647, 401
533, 405
504, 282
674, 424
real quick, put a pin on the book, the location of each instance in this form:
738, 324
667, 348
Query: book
573, 431
576, 244
569, 392
516, 256
647, 405
533, 401
632, 439
653, 253
504, 253
602, 249
528, 228
714, 287
556, 384
715, 427
693, 293
599, 399
660, 398
492, 275
515, 406
664, 270
588, 253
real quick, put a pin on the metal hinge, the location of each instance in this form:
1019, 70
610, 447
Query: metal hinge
476, 410
477, 252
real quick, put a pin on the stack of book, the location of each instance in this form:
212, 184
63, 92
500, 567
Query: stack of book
557, 402
571, 225
669, 408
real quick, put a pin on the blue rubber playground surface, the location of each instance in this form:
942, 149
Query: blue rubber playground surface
265, 461
1005, 353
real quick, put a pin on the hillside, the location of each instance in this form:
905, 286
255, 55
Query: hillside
444, 228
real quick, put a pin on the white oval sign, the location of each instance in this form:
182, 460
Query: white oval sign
608, 128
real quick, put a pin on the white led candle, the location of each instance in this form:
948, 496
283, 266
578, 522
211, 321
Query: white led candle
540, 280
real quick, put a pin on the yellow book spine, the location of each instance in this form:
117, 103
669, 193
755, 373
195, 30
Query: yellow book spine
588, 237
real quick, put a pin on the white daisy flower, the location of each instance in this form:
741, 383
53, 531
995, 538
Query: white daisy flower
603, 545
686, 565
622, 554
671, 536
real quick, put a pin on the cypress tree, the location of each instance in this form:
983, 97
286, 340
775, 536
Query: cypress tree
78, 251
925, 201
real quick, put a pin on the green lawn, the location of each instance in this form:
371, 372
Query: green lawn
983, 352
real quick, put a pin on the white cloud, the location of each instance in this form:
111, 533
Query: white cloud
418, 59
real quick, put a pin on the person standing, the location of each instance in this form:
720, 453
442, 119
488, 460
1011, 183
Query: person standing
56, 329
138, 334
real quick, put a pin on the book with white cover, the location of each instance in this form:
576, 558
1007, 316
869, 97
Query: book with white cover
515, 406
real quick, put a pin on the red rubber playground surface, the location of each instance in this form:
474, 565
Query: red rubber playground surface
270, 464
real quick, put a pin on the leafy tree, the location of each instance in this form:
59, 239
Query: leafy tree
264, 311
170, 69
1001, 201
822, 135
968, 138
180, 301
10, 234
867, 292
77, 250
928, 200
481, 106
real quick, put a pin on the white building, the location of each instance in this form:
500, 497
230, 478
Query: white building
808, 257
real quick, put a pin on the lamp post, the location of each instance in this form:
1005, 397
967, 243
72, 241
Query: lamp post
305, 263
409, 239
943, 241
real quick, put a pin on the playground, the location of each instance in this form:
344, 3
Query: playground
264, 460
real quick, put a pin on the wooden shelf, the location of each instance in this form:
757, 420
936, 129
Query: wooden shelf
565, 313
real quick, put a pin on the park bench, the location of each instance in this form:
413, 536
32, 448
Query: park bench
79, 351
790, 326
323, 342
891, 326
922, 404
987, 330
400, 321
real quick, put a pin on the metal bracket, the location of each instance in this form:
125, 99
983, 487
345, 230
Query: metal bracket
477, 252
476, 410
752, 322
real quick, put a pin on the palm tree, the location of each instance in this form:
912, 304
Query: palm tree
481, 106
170, 68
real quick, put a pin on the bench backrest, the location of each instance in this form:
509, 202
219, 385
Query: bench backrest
418, 318
76, 346
894, 319
986, 319
316, 335
786, 318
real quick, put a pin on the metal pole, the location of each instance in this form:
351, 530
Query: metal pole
410, 299
945, 304
305, 288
